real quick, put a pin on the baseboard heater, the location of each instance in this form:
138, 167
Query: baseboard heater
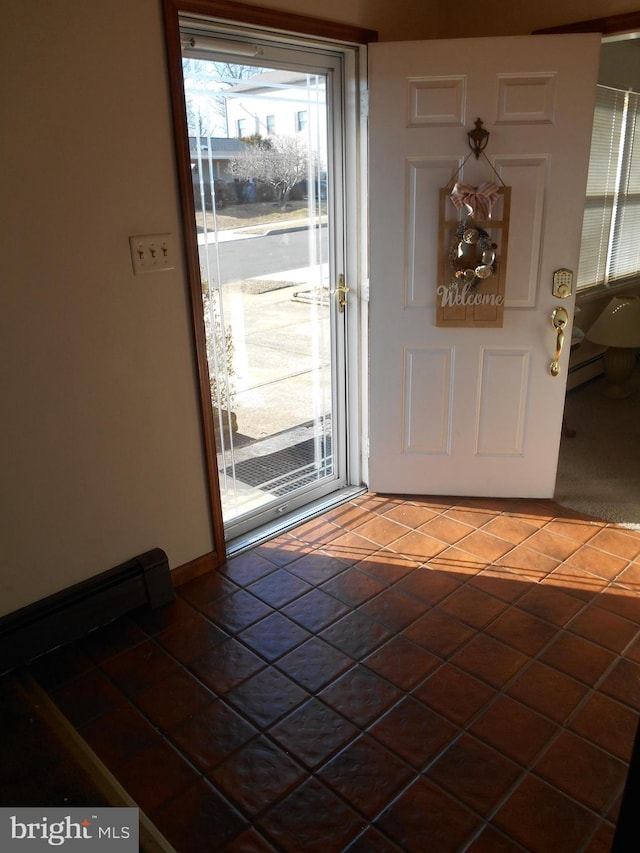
585, 371
72, 613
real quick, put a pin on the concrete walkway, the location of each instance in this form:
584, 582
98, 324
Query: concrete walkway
249, 232
281, 373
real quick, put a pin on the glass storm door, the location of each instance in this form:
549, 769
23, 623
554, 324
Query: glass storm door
264, 131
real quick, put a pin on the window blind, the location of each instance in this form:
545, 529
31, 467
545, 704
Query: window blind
610, 249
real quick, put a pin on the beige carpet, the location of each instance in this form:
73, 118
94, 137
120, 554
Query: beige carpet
599, 469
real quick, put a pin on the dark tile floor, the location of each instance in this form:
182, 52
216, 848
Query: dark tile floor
399, 674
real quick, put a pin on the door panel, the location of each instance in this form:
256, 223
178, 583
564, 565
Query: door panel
473, 411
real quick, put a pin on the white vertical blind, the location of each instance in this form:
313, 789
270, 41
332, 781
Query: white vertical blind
625, 249
610, 247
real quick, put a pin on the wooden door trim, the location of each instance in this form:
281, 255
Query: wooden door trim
627, 22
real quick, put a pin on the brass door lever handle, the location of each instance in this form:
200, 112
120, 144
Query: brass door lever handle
342, 291
559, 320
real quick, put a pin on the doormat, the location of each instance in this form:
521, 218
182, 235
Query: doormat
286, 470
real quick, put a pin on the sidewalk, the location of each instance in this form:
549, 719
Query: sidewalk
248, 232
282, 377
283, 382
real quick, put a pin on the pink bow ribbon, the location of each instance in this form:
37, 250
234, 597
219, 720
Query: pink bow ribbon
477, 200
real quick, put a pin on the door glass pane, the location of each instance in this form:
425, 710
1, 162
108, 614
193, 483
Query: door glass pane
260, 167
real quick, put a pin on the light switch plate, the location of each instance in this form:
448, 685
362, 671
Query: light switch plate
151, 253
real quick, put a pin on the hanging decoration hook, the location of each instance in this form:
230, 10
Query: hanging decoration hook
478, 138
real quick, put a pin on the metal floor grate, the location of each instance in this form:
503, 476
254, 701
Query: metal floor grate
283, 471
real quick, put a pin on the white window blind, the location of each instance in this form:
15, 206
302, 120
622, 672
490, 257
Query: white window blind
610, 250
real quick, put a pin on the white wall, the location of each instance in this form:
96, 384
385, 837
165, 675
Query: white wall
101, 451
423, 19
100, 430
506, 17
620, 64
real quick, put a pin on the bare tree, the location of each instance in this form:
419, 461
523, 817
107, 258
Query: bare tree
206, 101
281, 161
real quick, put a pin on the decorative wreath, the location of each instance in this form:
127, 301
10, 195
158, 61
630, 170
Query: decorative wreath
472, 254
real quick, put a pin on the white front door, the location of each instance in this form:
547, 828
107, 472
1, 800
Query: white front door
473, 411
